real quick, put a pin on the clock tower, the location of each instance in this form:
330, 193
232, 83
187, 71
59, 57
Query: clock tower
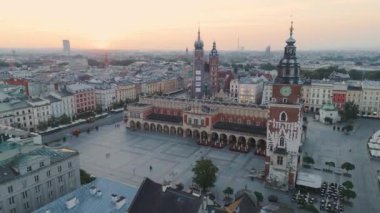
285, 122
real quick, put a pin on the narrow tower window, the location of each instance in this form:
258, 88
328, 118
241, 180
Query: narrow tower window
283, 116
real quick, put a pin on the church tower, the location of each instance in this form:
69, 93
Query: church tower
199, 86
214, 69
285, 122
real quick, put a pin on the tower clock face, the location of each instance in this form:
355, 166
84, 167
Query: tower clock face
286, 90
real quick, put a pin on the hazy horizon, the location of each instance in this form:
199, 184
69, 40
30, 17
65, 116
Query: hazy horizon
170, 25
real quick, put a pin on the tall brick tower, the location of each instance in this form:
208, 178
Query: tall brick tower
285, 122
199, 85
214, 69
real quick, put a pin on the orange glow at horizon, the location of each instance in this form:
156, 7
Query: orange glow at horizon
172, 24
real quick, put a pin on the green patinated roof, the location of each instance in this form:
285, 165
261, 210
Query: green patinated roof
328, 107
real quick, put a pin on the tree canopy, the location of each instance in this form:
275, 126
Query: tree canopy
85, 177
228, 191
348, 184
259, 196
348, 166
350, 111
308, 160
204, 173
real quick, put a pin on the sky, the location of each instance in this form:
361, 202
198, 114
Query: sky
173, 24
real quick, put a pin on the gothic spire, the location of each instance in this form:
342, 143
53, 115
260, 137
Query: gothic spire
291, 29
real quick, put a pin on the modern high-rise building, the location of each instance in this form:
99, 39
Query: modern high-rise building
66, 46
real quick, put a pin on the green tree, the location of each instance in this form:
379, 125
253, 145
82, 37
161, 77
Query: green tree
348, 184
348, 166
308, 160
347, 193
259, 196
350, 111
98, 109
64, 119
85, 177
330, 164
228, 191
204, 173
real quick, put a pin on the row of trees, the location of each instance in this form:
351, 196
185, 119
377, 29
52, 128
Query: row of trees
354, 74
346, 165
54, 122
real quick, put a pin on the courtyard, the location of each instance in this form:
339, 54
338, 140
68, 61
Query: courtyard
125, 156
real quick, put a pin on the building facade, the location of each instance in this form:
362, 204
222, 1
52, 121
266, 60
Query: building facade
41, 110
125, 91
247, 90
36, 177
84, 97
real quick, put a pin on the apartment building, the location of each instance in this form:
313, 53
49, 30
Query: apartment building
246, 90
105, 96
68, 102
267, 93
84, 96
370, 102
17, 113
32, 175
320, 93
41, 110
125, 91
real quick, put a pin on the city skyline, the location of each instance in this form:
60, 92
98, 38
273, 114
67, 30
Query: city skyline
172, 25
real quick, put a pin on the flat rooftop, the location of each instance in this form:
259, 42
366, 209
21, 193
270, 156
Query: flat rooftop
94, 203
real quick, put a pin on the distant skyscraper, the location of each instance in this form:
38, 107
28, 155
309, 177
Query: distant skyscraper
66, 46
267, 51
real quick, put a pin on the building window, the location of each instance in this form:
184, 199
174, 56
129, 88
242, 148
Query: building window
282, 142
69, 165
25, 194
10, 189
26, 205
60, 179
189, 121
59, 168
37, 189
11, 200
49, 183
36, 178
283, 116
13, 210
71, 174
42, 164
61, 189
48, 173
29, 168
285, 100
279, 160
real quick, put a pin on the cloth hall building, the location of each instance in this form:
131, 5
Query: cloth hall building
274, 131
